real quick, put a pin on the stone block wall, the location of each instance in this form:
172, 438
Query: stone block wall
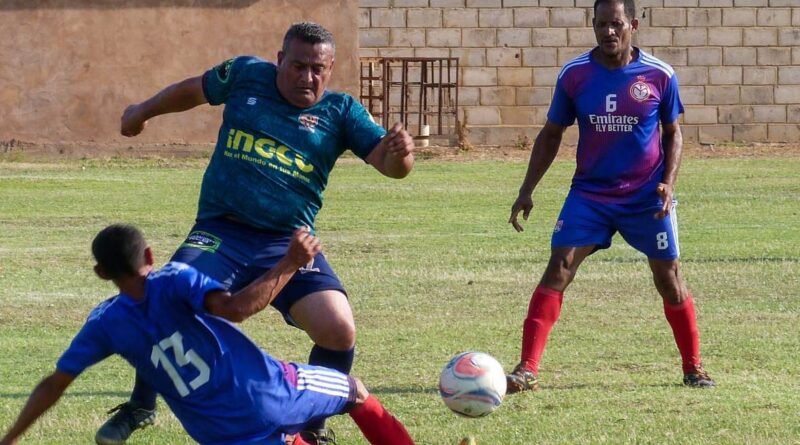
70, 67
738, 61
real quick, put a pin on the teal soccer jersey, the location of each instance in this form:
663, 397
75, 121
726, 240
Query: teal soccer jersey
272, 160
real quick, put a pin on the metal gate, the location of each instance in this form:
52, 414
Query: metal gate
420, 92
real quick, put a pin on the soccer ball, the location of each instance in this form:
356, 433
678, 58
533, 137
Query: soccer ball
472, 384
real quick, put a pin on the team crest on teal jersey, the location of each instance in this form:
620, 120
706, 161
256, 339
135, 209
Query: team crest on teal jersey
308, 122
223, 70
203, 241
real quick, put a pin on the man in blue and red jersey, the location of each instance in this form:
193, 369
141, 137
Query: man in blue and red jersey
282, 132
626, 171
174, 327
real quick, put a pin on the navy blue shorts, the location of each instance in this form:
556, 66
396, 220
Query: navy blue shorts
586, 222
235, 254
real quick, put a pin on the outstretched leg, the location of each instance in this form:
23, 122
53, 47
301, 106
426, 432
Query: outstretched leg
377, 424
321, 393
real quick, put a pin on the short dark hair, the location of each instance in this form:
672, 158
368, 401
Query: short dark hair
630, 6
119, 250
308, 32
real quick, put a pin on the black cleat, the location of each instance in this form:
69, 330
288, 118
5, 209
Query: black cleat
127, 419
322, 436
698, 378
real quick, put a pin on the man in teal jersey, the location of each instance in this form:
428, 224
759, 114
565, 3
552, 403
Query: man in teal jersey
281, 134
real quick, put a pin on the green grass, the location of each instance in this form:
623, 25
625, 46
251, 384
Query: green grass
434, 269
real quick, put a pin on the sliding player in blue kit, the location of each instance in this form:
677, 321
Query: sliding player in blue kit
173, 326
624, 180
281, 134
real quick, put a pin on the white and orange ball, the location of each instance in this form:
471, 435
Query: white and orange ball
472, 384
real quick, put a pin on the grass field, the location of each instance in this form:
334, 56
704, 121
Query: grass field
433, 269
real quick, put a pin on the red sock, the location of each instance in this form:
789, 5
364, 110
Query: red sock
543, 312
378, 425
682, 319
297, 440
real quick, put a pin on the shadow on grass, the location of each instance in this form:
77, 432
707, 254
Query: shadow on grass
373, 389
756, 259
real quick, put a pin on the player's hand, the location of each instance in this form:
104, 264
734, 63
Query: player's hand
398, 142
131, 122
524, 204
665, 193
303, 247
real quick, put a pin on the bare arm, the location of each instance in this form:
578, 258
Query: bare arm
261, 292
672, 141
177, 97
394, 154
45, 395
543, 153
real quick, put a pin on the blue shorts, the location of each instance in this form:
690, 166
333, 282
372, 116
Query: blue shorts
308, 394
316, 393
235, 254
586, 222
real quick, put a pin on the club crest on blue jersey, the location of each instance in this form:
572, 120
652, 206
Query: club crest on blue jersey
640, 91
308, 122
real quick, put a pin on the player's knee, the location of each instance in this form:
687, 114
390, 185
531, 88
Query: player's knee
666, 277
558, 274
329, 327
672, 293
339, 335
344, 335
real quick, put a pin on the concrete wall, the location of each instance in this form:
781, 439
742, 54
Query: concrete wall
738, 61
71, 66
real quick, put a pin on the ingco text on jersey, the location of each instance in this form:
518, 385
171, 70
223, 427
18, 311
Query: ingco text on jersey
267, 152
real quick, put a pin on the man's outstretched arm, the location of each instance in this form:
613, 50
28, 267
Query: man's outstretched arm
177, 97
44, 396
